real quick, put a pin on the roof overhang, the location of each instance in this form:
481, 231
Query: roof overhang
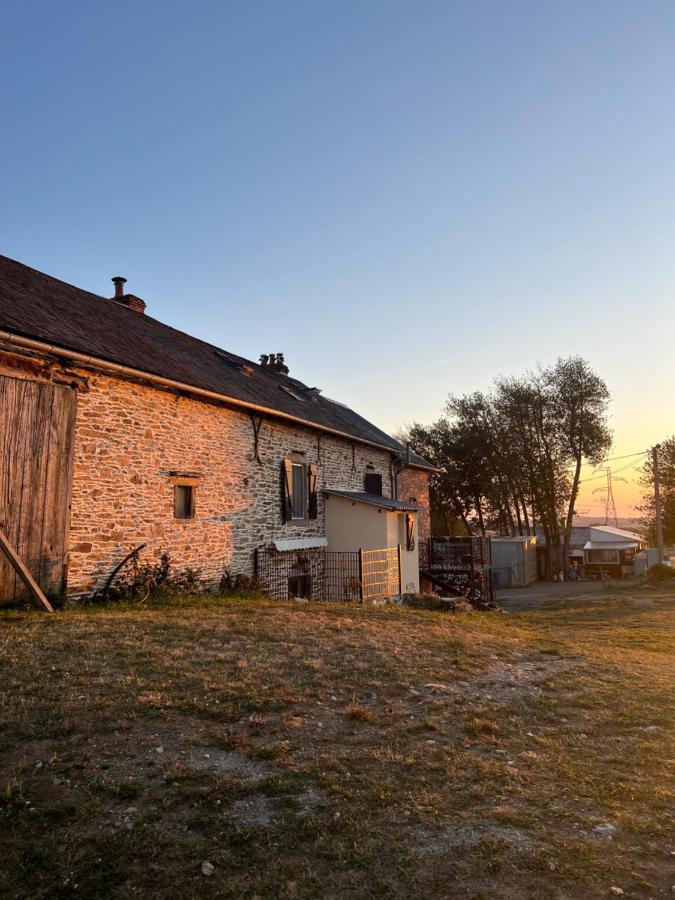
611, 545
373, 500
84, 359
420, 463
311, 543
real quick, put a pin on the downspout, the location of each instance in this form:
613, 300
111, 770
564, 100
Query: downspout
395, 474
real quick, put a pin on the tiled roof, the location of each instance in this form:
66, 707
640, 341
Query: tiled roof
37, 306
374, 500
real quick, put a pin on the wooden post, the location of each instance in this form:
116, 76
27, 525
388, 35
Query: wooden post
400, 583
19, 567
361, 574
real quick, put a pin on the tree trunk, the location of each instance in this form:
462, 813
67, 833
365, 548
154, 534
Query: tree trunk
462, 516
526, 518
479, 510
518, 517
570, 515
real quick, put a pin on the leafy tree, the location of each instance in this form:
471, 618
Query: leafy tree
511, 459
449, 511
667, 485
580, 399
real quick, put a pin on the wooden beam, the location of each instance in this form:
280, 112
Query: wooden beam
19, 567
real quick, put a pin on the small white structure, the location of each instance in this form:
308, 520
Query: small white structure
356, 520
514, 560
612, 550
651, 557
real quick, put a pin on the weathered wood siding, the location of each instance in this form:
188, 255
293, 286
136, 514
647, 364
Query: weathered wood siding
37, 421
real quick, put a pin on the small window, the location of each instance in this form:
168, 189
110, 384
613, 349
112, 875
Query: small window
184, 501
410, 531
299, 491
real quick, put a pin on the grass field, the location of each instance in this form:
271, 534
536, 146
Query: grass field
307, 750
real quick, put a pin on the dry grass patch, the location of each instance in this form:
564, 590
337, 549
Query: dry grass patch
333, 751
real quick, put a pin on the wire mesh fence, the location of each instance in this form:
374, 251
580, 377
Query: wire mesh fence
320, 574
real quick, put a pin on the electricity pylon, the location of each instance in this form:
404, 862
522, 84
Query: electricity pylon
610, 504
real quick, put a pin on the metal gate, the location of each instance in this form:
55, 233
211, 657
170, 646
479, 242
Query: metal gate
380, 573
37, 422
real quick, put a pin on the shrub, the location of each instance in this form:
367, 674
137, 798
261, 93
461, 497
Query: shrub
660, 574
139, 581
241, 585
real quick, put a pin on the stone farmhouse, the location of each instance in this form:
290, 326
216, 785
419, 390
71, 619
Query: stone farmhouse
118, 430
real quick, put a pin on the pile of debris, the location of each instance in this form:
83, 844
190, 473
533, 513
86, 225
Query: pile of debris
448, 604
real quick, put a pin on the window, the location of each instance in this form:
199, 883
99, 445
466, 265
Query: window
299, 492
410, 531
603, 556
183, 501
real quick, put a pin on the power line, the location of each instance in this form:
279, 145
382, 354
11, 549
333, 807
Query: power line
625, 456
614, 458
604, 475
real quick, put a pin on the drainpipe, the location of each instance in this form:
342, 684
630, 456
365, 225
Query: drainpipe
402, 465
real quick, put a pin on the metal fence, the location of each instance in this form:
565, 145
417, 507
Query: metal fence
319, 574
455, 553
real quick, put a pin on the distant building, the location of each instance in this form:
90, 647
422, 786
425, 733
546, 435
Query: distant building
650, 557
601, 549
514, 560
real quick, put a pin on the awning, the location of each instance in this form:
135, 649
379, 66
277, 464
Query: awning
374, 500
310, 543
611, 545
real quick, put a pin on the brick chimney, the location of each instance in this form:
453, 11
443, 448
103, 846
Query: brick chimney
275, 362
128, 300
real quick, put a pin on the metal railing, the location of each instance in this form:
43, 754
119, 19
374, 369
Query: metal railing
455, 553
460, 564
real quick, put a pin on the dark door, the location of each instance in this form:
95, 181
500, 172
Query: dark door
37, 423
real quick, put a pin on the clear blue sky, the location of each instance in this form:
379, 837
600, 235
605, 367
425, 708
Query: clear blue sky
405, 198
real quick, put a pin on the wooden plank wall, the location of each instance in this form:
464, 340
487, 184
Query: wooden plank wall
37, 424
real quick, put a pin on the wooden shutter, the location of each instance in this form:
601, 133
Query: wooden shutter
313, 500
287, 490
373, 484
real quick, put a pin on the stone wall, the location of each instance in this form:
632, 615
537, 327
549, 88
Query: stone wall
129, 437
413, 484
